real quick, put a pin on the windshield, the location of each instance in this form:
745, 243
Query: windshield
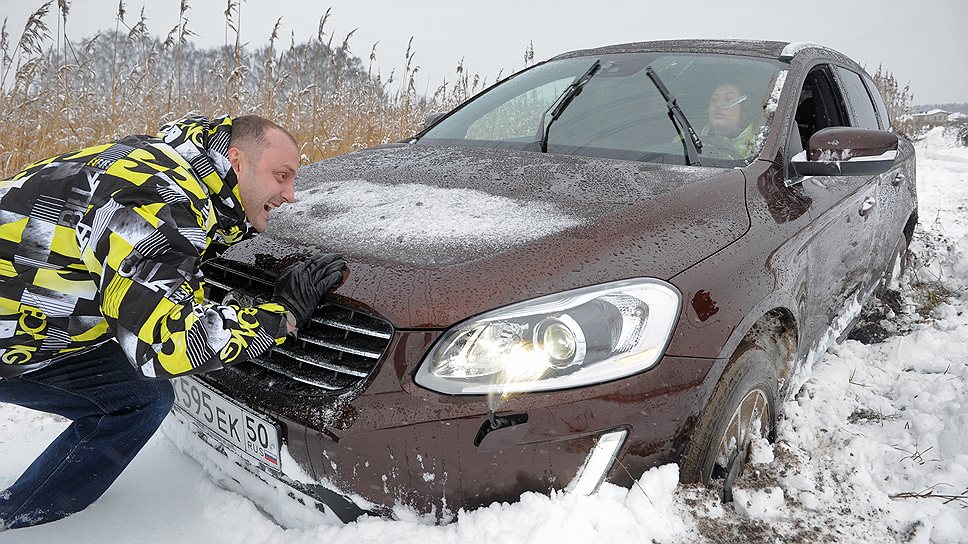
620, 113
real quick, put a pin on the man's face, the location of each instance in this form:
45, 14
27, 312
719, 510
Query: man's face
724, 111
266, 178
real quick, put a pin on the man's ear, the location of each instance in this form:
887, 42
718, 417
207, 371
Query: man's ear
235, 159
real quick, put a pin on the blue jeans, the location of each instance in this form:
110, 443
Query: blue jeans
114, 413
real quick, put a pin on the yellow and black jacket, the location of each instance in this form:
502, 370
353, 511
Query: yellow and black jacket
105, 243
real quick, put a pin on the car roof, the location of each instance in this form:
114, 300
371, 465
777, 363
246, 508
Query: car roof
750, 48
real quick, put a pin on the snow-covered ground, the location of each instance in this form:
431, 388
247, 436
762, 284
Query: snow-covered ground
873, 449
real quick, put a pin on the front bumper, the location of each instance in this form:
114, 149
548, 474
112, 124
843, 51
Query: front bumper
392, 444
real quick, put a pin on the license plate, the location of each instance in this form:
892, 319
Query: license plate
226, 420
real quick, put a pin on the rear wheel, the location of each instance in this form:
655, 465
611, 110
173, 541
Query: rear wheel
743, 406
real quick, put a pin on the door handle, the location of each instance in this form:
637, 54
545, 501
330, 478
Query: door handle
868, 204
898, 179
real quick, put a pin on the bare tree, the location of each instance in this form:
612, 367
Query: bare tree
899, 100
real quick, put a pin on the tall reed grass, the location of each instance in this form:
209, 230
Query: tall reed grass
57, 94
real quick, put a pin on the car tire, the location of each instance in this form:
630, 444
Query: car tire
744, 400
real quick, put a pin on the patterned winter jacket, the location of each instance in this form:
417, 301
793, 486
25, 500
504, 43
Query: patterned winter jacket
105, 243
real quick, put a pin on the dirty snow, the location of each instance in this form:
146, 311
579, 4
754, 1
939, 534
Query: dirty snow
417, 223
874, 448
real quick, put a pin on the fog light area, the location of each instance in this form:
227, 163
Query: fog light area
599, 462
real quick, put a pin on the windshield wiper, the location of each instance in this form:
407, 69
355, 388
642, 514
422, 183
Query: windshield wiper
692, 144
558, 107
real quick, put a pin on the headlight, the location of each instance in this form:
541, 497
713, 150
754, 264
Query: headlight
581, 337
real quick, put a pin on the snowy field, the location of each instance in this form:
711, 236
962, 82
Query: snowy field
873, 449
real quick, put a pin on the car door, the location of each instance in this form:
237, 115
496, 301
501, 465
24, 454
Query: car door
898, 191
887, 210
843, 210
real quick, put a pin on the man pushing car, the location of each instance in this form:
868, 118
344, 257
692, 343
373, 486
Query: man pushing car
101, 295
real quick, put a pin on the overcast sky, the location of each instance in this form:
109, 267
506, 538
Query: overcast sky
922, 42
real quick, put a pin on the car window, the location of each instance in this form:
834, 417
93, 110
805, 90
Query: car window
882, 115
859, 100
619, 112
820, 104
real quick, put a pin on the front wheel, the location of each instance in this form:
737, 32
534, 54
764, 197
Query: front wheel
743, 406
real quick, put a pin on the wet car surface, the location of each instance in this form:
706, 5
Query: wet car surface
556, 285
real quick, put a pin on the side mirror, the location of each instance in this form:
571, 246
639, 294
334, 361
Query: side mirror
847, 151
433, 117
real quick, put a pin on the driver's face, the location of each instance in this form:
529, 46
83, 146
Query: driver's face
724, 112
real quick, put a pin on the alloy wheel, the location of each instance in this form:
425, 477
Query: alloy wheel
750, 419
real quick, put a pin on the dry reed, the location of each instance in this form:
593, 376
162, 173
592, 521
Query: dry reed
57, 94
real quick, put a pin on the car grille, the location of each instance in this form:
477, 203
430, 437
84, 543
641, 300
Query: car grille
337, 351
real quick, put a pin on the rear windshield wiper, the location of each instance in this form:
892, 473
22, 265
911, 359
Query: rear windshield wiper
692, 144
558, 107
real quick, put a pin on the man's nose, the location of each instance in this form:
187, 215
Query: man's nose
288, 193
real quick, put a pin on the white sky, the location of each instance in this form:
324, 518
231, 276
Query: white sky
919, 42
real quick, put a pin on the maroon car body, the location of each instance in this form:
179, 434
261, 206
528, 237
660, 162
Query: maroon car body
780, 248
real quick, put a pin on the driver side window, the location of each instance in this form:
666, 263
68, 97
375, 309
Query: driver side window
819, 106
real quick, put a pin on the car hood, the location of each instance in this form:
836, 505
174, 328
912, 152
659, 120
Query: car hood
435, 234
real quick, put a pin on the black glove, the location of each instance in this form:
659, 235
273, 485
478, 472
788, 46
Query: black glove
300, 287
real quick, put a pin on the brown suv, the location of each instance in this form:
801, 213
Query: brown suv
614, 259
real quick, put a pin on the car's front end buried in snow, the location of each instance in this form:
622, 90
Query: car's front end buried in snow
365, 438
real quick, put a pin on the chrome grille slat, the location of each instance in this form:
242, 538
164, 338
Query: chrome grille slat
337, 350
302, 358
218, 284
352, 328
278, 369
339, 346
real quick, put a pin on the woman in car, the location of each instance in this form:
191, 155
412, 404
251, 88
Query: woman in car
730, 131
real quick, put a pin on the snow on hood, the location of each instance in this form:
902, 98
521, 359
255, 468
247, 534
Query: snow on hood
419, 223
440, 205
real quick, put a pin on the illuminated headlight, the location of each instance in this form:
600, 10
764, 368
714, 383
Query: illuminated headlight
586, 336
